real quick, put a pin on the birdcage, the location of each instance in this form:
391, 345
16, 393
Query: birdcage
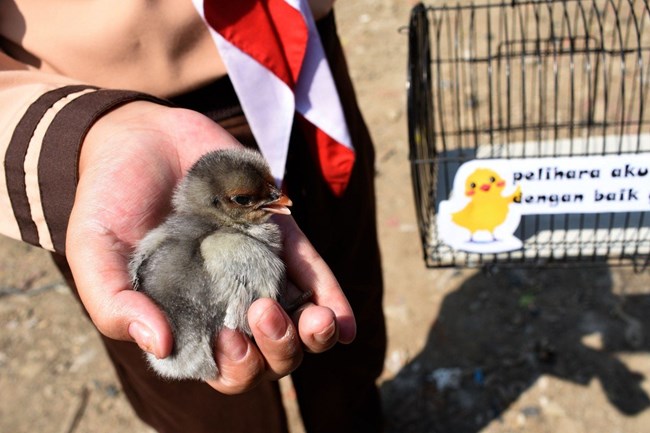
543, 103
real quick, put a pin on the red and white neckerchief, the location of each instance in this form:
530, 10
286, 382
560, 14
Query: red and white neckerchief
277, 65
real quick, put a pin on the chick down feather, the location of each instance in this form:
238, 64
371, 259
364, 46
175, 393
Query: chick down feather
212, 257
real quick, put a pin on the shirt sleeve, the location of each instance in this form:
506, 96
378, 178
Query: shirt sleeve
43, 121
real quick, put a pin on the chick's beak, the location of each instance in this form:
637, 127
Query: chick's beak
279, 205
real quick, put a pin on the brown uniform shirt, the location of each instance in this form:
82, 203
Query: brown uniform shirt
58, 58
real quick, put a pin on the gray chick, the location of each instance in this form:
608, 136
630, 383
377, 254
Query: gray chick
212, 257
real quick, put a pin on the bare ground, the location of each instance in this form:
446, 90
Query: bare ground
537, 350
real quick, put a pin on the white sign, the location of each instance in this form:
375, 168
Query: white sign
490, 195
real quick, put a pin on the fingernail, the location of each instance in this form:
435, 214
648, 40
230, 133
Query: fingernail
273, 324
326, 335
231, 344
143, 336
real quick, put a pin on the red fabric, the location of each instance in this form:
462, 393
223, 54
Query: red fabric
275, 34
271, 31
334, 160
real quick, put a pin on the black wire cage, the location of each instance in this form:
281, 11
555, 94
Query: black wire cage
524, 81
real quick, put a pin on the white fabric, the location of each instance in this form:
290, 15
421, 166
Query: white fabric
269, 104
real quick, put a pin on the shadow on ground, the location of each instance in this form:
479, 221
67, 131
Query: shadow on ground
497, 334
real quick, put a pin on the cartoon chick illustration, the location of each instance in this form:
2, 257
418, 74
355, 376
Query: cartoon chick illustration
488, 208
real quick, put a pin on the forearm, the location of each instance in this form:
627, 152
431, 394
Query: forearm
43, 120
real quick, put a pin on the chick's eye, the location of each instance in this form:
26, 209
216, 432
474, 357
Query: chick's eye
492, 179
472, 185
243, 200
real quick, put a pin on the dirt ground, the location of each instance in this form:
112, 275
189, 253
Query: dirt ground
518, 350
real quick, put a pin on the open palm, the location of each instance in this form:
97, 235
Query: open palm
131, 160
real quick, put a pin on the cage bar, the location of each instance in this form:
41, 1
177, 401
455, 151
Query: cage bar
529, 79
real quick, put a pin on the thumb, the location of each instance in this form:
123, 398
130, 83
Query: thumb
136, 318
99, 268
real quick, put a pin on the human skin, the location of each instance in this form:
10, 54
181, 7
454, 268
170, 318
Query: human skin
130, 162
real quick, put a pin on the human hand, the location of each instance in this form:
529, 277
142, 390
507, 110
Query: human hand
130, 162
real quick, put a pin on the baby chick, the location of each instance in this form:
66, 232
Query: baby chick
487, 208
212, 257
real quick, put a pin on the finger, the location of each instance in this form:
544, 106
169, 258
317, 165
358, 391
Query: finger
241, 365
105, 290
276, 337
307, 269
317, 327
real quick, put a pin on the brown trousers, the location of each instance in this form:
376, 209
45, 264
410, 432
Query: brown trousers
336, 390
